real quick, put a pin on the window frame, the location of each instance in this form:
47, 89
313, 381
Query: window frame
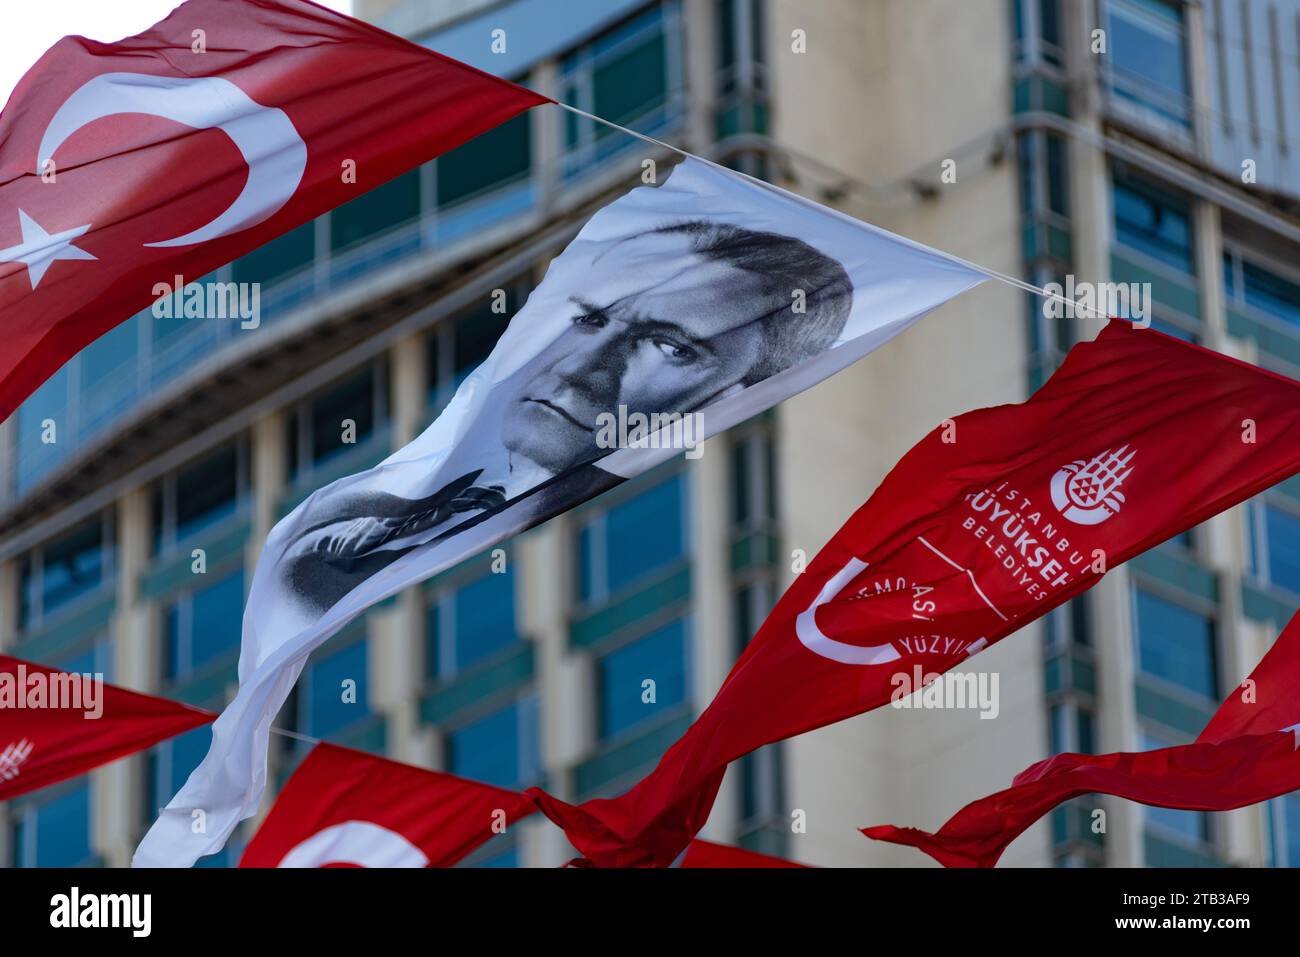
1194, 605
165, 542
595, 519
1172, 110
575, 72
606, 739
183, 600
302, 466
305, 697
441, 599
530, 766
32, 611
1257, 538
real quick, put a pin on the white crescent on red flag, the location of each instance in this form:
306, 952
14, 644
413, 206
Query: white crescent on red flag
1249, 752
55, 725
125, 164
981, 528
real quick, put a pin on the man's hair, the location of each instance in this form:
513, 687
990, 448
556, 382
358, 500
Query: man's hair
782, 264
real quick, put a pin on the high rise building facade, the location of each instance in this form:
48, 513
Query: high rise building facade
1098, 141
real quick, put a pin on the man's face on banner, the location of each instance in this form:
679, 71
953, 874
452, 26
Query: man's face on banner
646, 332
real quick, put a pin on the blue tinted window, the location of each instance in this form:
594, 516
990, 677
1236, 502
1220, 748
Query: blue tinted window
175, 642
499, 156
587, 551
35, 457
500, 748
90, 658
1283, 530
507, 858
376, 211
201, 626
218, 617
639, 536
624, 75
1169, 329
355, 400
1154, 224
277, 258
55, 832
661, 657
1148, 55
1271, 293
1176, 644
327, 712
485, 617
1287, 823
74, 565
1049, 25
207, 492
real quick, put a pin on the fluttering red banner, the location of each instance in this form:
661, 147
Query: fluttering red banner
55, 725
124, 165
1246, 754
346, 808
989, 522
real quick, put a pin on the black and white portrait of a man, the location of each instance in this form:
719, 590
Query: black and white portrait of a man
671, 318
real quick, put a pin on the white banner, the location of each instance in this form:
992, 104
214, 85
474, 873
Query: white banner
677, 312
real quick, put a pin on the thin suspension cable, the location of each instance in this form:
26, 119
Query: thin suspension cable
296, 736
1015, 281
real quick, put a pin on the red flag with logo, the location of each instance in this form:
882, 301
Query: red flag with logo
55, 725
984, 526
1246, 754
349, 808
123, 165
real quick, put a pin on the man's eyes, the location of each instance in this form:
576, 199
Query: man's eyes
675, 350
668, 348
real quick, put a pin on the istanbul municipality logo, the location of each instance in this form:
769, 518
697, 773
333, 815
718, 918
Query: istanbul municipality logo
12, 758
1087, 493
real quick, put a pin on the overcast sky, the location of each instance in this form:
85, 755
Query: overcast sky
32, 28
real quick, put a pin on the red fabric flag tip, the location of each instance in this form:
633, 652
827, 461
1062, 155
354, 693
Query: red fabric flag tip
1247, 754
55, 725
984, 526
124, 165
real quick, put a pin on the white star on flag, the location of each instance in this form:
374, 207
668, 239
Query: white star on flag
39, 248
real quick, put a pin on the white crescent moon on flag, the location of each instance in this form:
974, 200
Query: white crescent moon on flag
276, 155
355, 842
815, 640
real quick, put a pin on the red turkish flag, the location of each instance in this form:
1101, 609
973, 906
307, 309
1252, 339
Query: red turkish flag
48, 731
981, 528
176, 151
349, 808
1246, 754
